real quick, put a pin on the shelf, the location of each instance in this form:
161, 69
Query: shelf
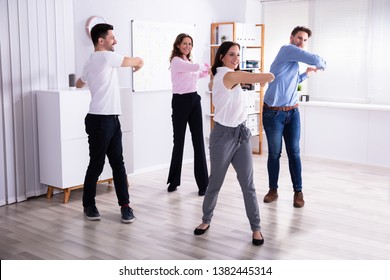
242, 46
249, 69
252, 47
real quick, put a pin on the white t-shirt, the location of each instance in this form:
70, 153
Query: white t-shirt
230, 107
102, 79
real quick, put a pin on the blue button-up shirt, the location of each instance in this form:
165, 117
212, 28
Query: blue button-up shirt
282, 91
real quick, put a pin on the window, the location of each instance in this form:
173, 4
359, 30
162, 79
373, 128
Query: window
353, 36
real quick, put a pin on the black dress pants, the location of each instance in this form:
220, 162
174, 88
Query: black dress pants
186, 108
104, 138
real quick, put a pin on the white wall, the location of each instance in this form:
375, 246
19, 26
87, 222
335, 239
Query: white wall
348, 132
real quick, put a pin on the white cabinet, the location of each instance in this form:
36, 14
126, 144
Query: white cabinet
351, 132
63, 142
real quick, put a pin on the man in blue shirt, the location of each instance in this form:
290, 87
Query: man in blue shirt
281, 115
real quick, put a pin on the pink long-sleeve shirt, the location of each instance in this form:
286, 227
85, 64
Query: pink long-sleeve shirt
184, 74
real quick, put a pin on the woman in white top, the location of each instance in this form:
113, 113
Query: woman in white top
230, 138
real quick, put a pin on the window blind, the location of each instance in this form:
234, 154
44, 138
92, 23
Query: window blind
353, 36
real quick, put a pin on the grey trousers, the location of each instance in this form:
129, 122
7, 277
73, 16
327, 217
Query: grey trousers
231, 145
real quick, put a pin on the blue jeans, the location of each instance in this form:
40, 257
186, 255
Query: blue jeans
286, 125
104, 138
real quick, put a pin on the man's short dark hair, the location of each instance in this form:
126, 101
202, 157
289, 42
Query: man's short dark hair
301, 28
100, 30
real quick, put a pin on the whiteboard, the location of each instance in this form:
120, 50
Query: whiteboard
153, 42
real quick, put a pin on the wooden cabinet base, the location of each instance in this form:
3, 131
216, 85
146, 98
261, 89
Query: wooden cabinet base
67, 191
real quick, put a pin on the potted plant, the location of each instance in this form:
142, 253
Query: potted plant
302, 96
223, 38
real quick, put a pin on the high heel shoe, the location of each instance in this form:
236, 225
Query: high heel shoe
258, 242
171, 188
199, 231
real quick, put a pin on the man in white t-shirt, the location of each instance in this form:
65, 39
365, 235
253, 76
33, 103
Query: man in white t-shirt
101, 123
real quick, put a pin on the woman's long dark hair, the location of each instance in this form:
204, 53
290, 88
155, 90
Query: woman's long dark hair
222, 50
176, 50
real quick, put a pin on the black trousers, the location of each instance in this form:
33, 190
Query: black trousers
104, 138
186, 108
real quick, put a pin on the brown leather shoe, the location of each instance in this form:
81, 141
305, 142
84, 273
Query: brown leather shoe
298, 200
272, 195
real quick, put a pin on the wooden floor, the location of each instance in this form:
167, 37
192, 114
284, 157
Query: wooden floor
346, 216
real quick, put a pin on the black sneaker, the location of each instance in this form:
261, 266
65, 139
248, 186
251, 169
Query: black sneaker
92, 213
127, 215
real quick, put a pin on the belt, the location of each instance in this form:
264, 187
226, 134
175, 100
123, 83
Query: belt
284, 108
241, 134
103, 116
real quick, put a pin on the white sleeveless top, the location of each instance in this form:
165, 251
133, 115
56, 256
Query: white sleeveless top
230, 107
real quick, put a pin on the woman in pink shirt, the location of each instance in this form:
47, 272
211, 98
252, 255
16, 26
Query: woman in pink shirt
186, 108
